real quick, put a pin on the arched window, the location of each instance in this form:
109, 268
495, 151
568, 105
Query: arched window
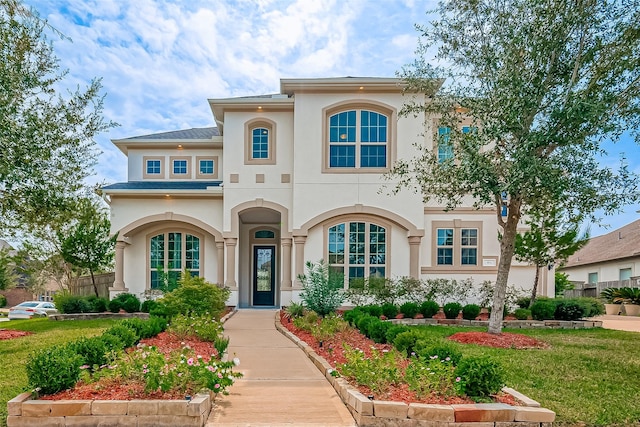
358, 249
260, 142
358, 139
169, 254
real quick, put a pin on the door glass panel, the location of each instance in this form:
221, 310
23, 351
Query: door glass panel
264, 265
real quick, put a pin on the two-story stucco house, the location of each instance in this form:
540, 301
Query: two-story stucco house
288, 178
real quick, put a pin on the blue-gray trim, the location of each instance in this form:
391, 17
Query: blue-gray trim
162, 185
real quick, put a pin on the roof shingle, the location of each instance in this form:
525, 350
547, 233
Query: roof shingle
621, 243
193, 133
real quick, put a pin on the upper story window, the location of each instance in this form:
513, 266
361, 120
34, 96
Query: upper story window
358, 136
358, 139
180, 167
260, 142
153, 167
206, 167
445, 145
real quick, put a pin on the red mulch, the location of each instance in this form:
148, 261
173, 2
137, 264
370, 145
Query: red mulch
110, 389
332, 352
503, 340
7, 334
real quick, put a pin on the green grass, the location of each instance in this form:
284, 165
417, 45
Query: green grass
589, 376
14, 352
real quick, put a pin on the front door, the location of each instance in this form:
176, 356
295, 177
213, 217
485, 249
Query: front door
264, 277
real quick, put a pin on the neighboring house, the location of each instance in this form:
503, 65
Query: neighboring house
288, 178
613, 258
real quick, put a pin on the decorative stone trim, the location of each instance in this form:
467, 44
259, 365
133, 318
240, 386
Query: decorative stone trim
24, 411
514, 324
374, 413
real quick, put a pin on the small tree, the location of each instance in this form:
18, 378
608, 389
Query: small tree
322, 288
547, 242
87, 244
8, 276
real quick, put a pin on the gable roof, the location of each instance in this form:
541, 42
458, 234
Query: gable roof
618, 244
193, 133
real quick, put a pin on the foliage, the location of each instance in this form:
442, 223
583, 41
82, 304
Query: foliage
98, 304
146, 328
592, 306
295, 309
67, 303
377, 372
409, 309
522, 313
53, 369
127, 336
94, 351
609, 295
562, 283
196, 296
429, 308
307, 322
541, 95
523, 302
87, 244
373, 310
543, 309
8, 276
410, 289
125, 301
442, 350
394, 331
569, 310
352, 315
627, 295
378, 331
452, 310
390, 311
327, 327
470, 311
3, 301
482, 376
148, 305
322, 288
433, 376
47, 134
204, 327
512, 295
405, 342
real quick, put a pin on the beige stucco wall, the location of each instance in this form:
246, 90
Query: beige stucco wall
607, 271
135, 160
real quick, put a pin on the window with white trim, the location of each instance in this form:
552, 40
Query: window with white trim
358, 249
456, 244
169, 254
358, 138
179, 167
153, 167
445, 246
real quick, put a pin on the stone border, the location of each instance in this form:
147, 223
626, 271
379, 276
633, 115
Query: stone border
374, 413
24, 411
515, 324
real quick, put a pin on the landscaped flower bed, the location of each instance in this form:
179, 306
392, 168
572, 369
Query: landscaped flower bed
401, 404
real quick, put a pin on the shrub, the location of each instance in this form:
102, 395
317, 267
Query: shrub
148, 305
53, 369
378, 331
405, 342
481, 376
431, 376
543, 309
593, 306
3, 301
522, 313
127, 336
92, 350
68, 304
353, 315
410, 309
394, 331
429, 308
295, 309
452, 309
363, 323
443, 350
112, 343
470, 311
523, 302
146, 328
390, 310
98, 304
322, 288
376, 372
194, 296
373, 310
128, 302
204, 327
569, 310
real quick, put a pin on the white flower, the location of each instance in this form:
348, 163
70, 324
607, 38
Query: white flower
236, 361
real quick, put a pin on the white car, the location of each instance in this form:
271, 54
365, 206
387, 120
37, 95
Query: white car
29, 309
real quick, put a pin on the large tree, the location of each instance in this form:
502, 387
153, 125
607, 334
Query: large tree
543, 84
46, 133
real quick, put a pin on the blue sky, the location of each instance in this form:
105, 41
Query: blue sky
161, 60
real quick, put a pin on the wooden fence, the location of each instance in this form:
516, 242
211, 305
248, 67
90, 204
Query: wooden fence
83, 285
594, 289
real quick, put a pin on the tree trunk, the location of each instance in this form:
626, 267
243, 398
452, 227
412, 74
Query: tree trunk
534, 291
93, 281
507, 249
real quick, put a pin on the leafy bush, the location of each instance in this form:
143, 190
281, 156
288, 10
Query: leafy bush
53, 369
69, 304
373, 310
307, 322
394, 331
390, 310
569, 310
353, 315
3, 301
112, 343
452, 309
470, 311
295, 309
441, 350
429, 308
146, 328
593, 306
523, 302
92, 350
127, 302
377, 372
522, 313
148, 305
378, 331
98, 304
204, 327
127, 336
405, 342
363, 323
432, 376
194, 295
410, 309
481, 376
543, 309
322, 288
327, 327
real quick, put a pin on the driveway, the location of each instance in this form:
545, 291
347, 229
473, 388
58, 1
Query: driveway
620, 323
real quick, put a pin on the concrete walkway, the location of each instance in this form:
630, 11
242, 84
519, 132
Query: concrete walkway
280, 387
620, 323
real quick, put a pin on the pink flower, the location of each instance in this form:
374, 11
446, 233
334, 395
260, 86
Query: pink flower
210, 368
217, 386
190, 361
458, 379
219, 375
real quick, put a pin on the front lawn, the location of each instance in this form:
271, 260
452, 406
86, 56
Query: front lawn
14, 352
589, 376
